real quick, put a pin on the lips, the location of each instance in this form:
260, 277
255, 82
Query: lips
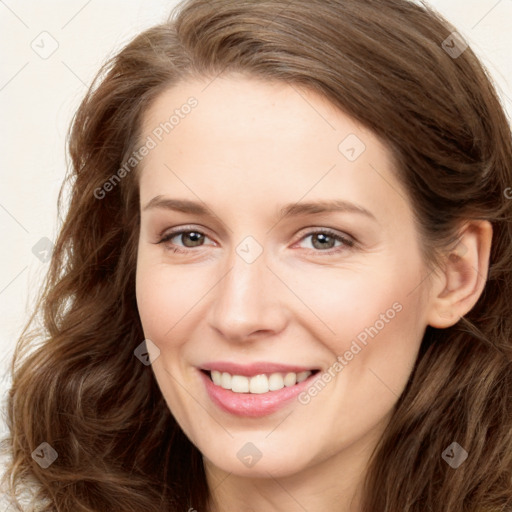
257, 390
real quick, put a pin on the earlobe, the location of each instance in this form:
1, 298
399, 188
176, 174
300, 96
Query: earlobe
462, 279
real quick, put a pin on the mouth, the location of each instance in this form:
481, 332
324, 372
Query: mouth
255, 394
258, 384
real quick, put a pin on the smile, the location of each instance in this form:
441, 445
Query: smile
255, 390
257, 384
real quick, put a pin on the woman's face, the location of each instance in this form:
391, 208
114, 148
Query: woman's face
298, 253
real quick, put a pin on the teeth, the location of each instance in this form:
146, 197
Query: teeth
303, 376
240, 384
275, 382
290, 379
216, 377
225, 380
259, 383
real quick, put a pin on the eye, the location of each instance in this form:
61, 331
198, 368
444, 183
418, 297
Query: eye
190, 238
324, 241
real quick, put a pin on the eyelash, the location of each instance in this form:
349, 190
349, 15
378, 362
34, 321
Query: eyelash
348, 243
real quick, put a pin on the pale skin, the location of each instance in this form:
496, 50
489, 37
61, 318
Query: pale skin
249, 148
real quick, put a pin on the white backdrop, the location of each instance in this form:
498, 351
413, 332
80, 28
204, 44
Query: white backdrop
50, 52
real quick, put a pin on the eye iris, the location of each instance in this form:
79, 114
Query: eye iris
323, 238
195, 237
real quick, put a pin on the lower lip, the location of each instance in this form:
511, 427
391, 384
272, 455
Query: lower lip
252, 404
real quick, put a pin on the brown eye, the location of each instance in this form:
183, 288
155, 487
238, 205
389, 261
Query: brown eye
194, 237
327, 241
189, 239
323, 241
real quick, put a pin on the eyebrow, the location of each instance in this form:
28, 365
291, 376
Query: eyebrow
289, 210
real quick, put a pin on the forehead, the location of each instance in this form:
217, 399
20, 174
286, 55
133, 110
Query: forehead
271, 138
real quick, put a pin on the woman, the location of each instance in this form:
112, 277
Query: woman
282, 280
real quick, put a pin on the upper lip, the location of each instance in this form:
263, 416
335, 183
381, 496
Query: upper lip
252, 369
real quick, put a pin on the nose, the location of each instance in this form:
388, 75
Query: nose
248, 302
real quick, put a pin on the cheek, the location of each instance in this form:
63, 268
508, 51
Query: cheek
378, 329
166, 309
158, 300
169, 298
372, 323
379, 326
359, 303
155, 304
151, 301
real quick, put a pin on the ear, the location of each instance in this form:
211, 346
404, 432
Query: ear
461, 280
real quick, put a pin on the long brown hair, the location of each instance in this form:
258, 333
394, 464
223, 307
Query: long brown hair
76, 383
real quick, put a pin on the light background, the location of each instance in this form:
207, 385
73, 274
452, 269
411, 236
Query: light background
38, 97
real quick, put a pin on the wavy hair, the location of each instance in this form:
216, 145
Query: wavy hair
75, 381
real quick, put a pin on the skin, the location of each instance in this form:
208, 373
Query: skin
247, 149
